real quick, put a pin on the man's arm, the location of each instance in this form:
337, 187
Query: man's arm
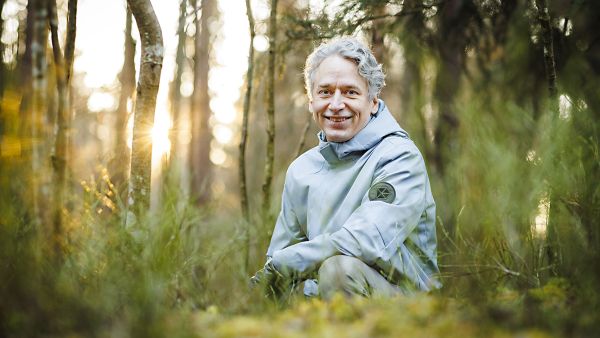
287, 228
376, 229
287, 232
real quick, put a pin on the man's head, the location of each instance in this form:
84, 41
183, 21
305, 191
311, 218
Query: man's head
343, 82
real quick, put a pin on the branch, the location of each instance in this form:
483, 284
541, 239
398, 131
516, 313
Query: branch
70, 43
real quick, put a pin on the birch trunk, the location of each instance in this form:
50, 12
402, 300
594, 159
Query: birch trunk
145, 104
200, 109
268, 174
63, 121
247, 101
120, 166
37, 129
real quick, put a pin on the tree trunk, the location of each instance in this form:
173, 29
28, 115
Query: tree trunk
38, 111
120, 164
247, 100
244, 136
553, 246
2, 68
70, 43
303, 135
63, 122
268, 175
451, 46
175, 89
377, 33
145, 105
200, 107
549, 64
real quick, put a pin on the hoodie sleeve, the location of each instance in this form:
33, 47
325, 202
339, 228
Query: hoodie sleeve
290, 253
389, 214
287, 228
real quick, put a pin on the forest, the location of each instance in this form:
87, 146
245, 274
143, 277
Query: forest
144, 146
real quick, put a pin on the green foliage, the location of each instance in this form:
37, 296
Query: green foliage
518, 203
183, 275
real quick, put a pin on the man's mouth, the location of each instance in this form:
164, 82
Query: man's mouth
338, 118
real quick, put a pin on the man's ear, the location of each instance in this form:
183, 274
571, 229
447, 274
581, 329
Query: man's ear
310, 108
375, 106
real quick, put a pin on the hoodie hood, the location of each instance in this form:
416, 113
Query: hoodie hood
381, 125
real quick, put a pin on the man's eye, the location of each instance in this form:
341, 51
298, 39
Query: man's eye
352, 92
324, 92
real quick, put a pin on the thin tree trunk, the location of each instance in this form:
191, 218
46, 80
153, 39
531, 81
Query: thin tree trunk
70, 43
553, 247
63, 121
25, 84
303, 135
549, 64
2, 68
268, 174
201, 134
69, 57
39, 70
120, 165
145, 105
247, 100
175, 89
244, 138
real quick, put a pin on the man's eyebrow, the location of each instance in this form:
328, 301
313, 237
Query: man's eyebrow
345, 86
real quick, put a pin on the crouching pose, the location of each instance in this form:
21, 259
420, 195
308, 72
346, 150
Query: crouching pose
357, 214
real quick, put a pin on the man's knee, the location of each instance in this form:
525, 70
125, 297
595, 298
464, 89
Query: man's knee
337, 273
339, 265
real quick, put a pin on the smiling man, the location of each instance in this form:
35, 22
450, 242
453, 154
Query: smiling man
357, 213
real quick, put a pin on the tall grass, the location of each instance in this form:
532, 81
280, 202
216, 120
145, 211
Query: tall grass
183, 265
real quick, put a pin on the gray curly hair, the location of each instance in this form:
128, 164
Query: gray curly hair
352, 49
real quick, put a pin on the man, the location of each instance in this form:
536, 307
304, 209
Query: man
357, 214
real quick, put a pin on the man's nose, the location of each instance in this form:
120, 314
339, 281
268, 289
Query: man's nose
336, 103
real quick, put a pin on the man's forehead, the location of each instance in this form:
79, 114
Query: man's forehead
346, 83
341, 84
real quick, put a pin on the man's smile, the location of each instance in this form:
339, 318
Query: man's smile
337, 118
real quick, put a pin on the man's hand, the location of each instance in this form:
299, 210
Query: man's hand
273, 282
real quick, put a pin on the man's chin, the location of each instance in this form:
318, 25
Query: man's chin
337, 137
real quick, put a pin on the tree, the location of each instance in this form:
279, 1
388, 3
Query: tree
2, 68
63, 118
247, 99
200, 107
38, 111
175, 88
145, 104
244, 136
120, 163
268, 174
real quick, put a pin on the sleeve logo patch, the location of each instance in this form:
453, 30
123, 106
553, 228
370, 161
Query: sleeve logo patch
382, 191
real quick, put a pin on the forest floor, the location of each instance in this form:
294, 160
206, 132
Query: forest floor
417, 316
542, 312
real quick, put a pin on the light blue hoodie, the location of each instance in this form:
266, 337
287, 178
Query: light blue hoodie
334, 203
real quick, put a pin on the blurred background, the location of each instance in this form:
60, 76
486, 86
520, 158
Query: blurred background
501, 97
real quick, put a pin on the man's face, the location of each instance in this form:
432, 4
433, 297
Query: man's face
340, 99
